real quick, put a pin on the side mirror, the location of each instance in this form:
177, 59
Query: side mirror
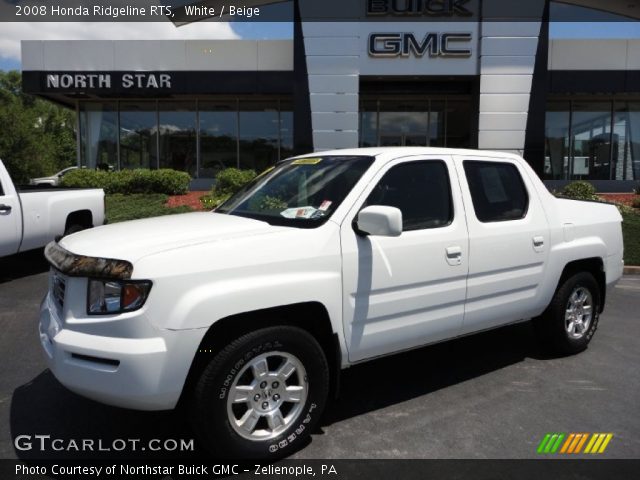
380, 220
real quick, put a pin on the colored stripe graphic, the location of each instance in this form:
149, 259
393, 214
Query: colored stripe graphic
555, 447
565, 447
590, 444
573, 443
607, 439
543, 443
598, 443
550, 443
581, 443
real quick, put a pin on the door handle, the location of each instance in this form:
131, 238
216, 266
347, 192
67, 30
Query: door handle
5, 208
538, 243
454, 255
453, 252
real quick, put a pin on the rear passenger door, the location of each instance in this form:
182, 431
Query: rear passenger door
406, 291
508, 241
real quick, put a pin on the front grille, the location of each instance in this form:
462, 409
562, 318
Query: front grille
58, 288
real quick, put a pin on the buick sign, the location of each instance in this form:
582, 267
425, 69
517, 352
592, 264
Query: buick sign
432, 44
430, 8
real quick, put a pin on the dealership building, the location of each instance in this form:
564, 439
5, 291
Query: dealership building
460, 74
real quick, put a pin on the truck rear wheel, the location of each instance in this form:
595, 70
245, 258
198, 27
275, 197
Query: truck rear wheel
571, 319
262, 395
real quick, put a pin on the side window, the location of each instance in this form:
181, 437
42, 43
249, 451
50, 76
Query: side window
422, 192
497, 191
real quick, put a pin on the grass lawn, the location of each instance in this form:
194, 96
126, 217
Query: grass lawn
121, 208
631, 233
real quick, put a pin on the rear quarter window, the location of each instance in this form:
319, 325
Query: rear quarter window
497, 191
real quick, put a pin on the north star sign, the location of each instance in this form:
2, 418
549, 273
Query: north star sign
389, 45
95, 81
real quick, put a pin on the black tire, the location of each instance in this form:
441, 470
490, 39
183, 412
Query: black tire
551, 327
209, 414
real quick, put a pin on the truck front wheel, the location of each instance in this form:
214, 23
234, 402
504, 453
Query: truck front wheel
571, 319
262, 395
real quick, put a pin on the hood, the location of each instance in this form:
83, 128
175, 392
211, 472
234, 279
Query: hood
138, 238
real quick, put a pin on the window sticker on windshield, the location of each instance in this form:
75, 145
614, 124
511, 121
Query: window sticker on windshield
324, 206
299, 212
306, 161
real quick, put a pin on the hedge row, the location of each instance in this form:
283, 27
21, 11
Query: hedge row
580, 190
228, 182
169, 182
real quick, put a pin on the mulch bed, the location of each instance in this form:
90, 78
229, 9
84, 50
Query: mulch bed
624, 198
191, 199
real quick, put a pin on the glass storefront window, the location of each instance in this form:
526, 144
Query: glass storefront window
198, 137
634, 138
259, 134
585, 141
218, 137
415, 121
459, 118
138, 130
403, 123
178, 144
286, 130
368, 124
626, 141
556, 157
99, 135
591, 140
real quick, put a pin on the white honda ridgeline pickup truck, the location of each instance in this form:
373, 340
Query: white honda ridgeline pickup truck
33, 216
249, 312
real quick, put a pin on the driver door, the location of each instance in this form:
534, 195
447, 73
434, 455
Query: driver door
407, 291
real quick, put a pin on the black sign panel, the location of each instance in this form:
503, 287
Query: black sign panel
156, 84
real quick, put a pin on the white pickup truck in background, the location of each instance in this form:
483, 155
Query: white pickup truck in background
249, 312
31, 217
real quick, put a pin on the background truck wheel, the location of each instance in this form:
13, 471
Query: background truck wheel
262, 395
571, 319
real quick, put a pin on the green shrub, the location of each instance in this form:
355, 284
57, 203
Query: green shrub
170, 181
209, 202
84, 178
230, 180
166, 181
636, 203
579, 191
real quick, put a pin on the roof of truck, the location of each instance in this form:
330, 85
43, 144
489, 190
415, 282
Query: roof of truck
384, 153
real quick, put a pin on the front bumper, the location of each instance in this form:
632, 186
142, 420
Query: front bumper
137, 373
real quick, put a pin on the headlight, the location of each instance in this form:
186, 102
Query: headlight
106, 297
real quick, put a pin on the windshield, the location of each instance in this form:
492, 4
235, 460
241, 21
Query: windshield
302, 192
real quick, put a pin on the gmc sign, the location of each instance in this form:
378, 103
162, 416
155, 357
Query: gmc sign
406, 44
431, 8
